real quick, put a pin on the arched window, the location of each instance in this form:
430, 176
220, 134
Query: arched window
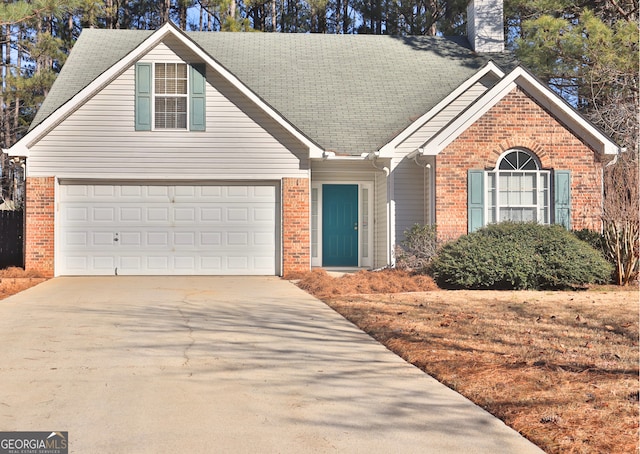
518, 190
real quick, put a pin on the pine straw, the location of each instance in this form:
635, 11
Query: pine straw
320, 284
14, 280
559, 367
16, 272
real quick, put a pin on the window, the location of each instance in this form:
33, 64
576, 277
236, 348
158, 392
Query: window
518, 190
170, 95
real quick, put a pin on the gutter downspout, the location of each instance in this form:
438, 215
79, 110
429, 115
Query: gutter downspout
372, 157
428, 171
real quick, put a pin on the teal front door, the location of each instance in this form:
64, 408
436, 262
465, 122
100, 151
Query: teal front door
340, 225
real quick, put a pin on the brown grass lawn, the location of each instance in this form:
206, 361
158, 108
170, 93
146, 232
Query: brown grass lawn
559, 367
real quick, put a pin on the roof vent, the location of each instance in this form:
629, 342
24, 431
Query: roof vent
485, 25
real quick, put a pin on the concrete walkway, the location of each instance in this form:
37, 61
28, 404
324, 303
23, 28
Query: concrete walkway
217, 365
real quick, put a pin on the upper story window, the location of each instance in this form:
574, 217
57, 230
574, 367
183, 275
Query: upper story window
170, 95
518, 190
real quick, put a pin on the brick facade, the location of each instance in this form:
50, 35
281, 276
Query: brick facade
516, 121
40, 213
296, 236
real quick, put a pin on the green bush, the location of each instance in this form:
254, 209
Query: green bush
595, 239
418, 248
519, 256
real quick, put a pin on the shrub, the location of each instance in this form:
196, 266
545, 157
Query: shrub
519, 256
418, 248
593, 238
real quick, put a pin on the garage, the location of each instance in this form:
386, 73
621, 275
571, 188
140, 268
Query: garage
161, 229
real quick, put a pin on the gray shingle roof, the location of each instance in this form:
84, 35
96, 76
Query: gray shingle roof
94, 53
347, 93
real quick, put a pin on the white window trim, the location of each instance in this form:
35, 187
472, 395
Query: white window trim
153, 96
539, 187
363, 262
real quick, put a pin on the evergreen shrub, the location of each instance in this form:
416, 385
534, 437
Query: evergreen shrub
519, 256
595, 239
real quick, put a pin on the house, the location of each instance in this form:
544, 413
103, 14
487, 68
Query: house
164, 152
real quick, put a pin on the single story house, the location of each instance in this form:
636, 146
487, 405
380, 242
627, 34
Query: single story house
170, 152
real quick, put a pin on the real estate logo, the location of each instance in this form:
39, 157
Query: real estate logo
34, 443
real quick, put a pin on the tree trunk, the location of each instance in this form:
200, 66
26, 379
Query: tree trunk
274, 16
5, 55
166, 8
345, 17
232, 9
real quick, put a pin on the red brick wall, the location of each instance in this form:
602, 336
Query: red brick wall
296, 237
40, 212
516, 121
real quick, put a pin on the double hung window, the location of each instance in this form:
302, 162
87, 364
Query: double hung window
170, 96
518, 190
170, 80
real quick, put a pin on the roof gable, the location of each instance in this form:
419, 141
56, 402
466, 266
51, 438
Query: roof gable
489, 70
76, 100
346, 94
542, 94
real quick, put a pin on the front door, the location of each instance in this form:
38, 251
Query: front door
340, 225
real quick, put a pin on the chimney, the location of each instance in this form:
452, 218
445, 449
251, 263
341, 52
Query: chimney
485, 25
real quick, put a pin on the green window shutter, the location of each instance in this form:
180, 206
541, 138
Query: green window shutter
562, 197
143, 97
475, 200
197, 95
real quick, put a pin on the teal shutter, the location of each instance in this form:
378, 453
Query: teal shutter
475, 200
562, 198
143, 97
197, 101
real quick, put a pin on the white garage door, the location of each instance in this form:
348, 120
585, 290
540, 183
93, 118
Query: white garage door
167, 229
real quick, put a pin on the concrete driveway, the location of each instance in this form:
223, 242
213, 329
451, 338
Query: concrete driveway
219, 364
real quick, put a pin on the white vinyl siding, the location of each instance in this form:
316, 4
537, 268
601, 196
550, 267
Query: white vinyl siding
442, 118
99, 141
381, 231
412, 195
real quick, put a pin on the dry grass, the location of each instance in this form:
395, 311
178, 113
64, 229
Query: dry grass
320, 284
14, 280
559, 367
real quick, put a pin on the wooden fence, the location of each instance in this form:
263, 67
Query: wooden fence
11, 238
